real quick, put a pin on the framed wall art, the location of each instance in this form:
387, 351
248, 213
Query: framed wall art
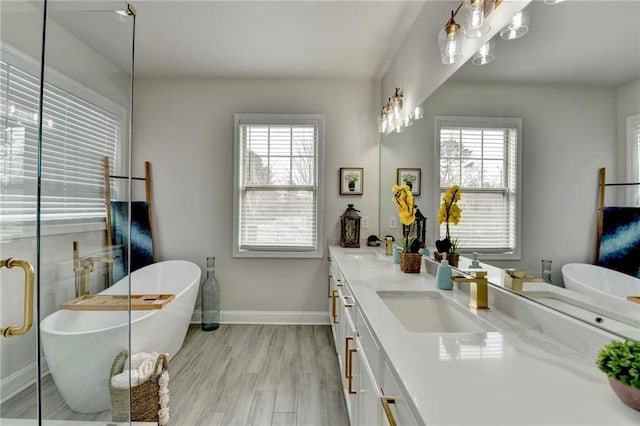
351, 180
410, 177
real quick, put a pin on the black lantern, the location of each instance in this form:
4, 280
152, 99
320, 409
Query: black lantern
350, 228
421, 227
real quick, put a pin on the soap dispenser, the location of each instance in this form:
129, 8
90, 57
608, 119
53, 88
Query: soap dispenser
443, 276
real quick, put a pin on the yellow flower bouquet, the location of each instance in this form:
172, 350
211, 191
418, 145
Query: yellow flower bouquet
449, 212
407, 211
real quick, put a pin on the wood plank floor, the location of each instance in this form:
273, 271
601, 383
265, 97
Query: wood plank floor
236, 375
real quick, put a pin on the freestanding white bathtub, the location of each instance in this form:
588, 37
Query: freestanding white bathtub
80, 346
598, 281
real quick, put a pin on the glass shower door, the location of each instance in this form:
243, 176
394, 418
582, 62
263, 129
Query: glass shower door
21, 32
74, 132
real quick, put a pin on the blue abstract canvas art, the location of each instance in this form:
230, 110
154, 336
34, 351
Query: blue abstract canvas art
141, 241
620, 244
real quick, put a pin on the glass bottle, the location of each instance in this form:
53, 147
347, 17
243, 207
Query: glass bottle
546, 271
210, 298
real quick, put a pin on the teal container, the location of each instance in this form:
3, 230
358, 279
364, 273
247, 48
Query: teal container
396, 254
443, 276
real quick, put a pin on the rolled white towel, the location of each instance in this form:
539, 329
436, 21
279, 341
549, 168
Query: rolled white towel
121, 380
145, 370
139, 357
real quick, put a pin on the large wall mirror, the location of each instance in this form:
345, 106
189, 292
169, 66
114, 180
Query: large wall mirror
572, 80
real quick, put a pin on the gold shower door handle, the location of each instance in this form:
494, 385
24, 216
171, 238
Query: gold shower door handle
29, 275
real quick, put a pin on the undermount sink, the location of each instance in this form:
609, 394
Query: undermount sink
429, 312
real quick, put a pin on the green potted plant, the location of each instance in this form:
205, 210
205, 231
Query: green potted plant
620, 361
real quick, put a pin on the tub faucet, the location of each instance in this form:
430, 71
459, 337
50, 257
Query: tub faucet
515, 279
82, 266
479, 292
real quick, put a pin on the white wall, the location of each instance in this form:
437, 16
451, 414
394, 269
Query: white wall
569, 132
184, 127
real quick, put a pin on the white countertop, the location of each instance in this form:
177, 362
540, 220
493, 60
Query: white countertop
514, 376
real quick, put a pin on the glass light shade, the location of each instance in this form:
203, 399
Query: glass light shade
399, 127
517, 27
418, 114
474, 18
486, 54
450, 42
382, 124
408, 121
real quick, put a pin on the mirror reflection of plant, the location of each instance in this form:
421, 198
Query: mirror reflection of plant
407, 211
449, 213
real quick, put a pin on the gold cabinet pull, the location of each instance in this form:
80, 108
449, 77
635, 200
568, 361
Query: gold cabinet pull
29, 275
334, 314
347, 366
386, 401
329, 285
346, 304
350, 378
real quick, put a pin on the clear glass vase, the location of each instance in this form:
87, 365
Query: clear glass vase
546, 271
210, 298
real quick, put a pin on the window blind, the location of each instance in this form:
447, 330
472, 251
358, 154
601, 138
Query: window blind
482, 160
76, 135
278, 205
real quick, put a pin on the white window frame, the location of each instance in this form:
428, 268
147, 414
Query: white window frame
287, 120
485, 122
633, 158
29, 65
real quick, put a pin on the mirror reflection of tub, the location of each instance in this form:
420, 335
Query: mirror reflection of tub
80, 346
599, 282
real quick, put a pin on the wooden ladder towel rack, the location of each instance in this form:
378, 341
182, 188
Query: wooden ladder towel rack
601, 193
107, 202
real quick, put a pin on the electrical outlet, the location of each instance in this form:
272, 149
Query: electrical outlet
365, 221
392, 223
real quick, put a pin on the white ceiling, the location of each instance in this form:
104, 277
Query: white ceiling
275, 39
588, 42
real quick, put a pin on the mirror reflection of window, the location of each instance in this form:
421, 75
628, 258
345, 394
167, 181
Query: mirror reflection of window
481, 156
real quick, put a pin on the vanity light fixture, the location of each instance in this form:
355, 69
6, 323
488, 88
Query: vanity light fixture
517, 27
450, 40
474, 18
394, 117
486, 54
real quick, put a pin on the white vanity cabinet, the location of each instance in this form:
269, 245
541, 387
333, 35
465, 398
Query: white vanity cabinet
360, 360
397, 410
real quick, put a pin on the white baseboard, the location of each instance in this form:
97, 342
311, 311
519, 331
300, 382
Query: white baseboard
270, 317
12, 385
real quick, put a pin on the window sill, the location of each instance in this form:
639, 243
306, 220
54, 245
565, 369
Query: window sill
277, 254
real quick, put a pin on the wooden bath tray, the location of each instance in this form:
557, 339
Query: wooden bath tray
118, 302
635, 299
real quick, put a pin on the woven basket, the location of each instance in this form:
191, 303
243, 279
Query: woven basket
410, 262
452, 258
145, 397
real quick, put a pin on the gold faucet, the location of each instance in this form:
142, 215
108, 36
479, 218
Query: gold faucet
515, 279
82, 266
479, 290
